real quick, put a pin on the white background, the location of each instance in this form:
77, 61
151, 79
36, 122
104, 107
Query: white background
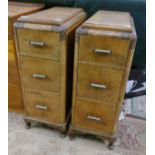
150, 71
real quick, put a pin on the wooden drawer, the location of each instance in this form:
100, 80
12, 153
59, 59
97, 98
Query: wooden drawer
99, 83
41, 74
94, 116
105, 50
39, 43
43, 105
13, 72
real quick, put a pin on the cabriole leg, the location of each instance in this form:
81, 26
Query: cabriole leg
62, 134
111, 143
27, 124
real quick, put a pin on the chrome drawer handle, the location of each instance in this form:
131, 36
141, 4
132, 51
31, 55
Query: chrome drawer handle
39, 76
37, 43
43, 107
100, 86
94, 118
100, 51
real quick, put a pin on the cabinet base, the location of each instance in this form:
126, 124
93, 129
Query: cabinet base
73, 132
62, 128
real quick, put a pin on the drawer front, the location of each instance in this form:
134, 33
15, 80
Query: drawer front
13, 72
39, 43
41, 74
103, 50
99, 83
94, 116
43, 105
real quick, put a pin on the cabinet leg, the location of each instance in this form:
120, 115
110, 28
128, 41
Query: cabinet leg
72, 135
27, 124
111, 144
62, 134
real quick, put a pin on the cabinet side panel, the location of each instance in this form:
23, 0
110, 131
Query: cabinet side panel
126, 72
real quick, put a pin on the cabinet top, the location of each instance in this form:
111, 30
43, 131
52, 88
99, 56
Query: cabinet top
53, 16
110, 20
16, 9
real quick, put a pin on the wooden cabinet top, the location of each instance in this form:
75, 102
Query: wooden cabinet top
53, 16
16, 9
110, 20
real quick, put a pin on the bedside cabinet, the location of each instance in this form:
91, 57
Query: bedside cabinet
45, 48
16, 9
105, 46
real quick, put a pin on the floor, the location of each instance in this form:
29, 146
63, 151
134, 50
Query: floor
42, 140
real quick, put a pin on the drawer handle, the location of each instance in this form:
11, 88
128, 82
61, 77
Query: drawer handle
100, 86
43, 107
39, 76
37, 43
94, 118
100, 51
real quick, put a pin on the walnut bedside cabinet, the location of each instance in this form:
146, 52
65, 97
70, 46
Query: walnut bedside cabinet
45, 47
105, 46
16, 9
